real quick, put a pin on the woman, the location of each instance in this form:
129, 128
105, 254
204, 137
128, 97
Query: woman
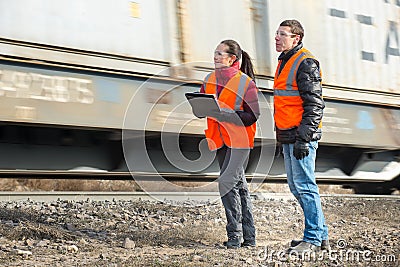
231, 133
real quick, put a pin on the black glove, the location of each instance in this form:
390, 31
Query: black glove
300, 150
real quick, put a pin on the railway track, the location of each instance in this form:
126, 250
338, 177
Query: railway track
168, 176
157, 196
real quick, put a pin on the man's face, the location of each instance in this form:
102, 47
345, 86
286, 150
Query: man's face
285, 39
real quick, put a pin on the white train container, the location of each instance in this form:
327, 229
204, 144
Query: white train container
357, 42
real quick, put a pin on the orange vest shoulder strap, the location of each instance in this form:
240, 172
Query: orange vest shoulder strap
294, 64
210, 83
239, 85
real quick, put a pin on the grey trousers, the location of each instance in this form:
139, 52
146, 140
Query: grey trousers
235, 194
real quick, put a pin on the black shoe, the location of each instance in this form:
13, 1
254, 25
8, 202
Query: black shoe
324, 244
304, 247
232, 243
249, 243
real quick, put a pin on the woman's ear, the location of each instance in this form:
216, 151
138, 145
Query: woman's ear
233, 58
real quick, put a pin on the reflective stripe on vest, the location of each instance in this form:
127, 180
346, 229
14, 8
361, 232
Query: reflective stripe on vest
240, 91
229, 100
288, 105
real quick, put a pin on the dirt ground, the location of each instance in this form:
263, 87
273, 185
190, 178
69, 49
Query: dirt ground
363, 232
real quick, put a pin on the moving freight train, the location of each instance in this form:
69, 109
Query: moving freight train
99, 85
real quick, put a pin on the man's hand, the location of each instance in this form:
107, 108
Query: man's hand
300, 150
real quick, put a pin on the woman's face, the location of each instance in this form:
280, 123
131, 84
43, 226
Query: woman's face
223, 59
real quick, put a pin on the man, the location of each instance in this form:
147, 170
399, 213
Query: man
298, 109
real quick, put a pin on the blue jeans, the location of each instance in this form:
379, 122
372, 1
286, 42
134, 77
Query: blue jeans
302, 184
235, 194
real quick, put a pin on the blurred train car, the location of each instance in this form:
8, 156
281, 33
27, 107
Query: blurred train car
74, 74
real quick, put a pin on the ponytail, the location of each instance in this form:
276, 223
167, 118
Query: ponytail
247, 65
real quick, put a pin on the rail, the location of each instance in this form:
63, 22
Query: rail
171, 177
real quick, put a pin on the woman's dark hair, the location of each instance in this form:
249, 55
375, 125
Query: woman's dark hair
234, 49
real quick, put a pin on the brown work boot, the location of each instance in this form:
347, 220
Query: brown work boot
324, 244
304, 247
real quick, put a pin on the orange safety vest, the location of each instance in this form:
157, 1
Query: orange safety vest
229, 100
288, 105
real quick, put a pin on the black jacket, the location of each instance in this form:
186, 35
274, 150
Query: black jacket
308, 80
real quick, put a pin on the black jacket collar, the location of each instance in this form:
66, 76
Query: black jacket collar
285, 56
290, 53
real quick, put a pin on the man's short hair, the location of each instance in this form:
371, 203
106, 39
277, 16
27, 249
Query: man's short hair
295, 27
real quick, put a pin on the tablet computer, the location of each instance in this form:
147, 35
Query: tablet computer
203, 105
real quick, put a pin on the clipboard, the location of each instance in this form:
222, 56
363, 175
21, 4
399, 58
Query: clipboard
203, 105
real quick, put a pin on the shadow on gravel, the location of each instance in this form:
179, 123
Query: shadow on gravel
21, 225
198, 237
17, 224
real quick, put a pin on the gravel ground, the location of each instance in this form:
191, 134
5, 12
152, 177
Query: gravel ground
363, 232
